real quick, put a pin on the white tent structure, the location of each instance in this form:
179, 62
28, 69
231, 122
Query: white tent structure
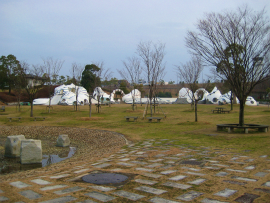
212, 97
99, 93
226, 99
66, 95
185, 94
116, 90
136, 94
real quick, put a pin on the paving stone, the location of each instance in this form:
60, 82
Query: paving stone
169, 162
154, 165
125, 159
30, 194
263, 156
156, 160
221, 174
104, 165
152, 175
212, 161
159, 155
196, 174
261, 174
150, 190
233, 170
147, 182
61, 200
189, 196
68, 190
192, 169
140, 153
102, 188
247, 198
41, 182
267, 184
244, 179
250, 167
19, 184
168, 172
82, 170
139, 162
116, 169
52, 187
225, 193
206, 200
100, 196
249, 160
1, 191
144, 169
128, 195
176, 178
197, 181
177, 185
212, 168
166, 166
173, 158
161, 200
59, 176
262, 190
125, 164
87, 201
220, 165
2, 199
234, 182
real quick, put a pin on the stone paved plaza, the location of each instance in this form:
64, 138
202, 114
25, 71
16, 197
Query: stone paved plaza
159, 171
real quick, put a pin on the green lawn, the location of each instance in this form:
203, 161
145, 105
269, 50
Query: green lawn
178, 125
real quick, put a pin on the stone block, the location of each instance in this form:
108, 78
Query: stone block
13, 145
31, 151
63, 141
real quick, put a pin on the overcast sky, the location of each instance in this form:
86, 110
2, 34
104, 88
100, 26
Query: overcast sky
86, 31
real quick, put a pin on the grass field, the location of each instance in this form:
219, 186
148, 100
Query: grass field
178, 125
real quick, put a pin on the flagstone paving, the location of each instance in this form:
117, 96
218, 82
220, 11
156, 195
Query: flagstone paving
159, 171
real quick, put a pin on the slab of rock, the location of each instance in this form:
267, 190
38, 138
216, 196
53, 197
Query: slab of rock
63, 141
31, 151
13, 145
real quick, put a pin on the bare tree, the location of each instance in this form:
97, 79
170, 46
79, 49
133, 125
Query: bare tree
103, 74
238, 45
76, 71
132, 73
152, 56
51, 69
19, 81
190, 73
34, 82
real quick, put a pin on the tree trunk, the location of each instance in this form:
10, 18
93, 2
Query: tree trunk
90, 108
49, 105
31, 112
232, 96
241, 112
195, 107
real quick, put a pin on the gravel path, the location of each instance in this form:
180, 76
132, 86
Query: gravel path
91, 144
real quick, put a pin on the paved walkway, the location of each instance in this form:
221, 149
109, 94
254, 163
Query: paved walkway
165, 172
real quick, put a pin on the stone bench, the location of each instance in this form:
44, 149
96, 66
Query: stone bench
39, 118
225, 111
131, 117
230, 127
31, 151
12, 118
3, 108
154, 118
12, 145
